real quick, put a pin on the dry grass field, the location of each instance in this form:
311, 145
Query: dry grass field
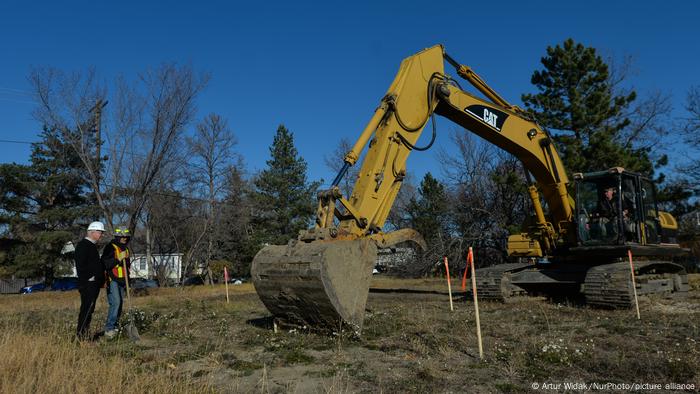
193, 341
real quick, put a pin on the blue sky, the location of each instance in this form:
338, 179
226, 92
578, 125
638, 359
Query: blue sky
320, 68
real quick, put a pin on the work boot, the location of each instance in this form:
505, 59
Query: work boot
109, 334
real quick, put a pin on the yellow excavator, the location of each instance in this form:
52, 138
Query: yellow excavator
571, 243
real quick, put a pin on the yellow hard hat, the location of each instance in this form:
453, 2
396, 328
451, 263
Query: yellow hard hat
122, 232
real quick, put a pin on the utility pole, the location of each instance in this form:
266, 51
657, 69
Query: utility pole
149, 264
97, 110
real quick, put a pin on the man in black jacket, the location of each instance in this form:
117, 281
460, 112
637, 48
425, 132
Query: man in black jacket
607, 206
91, 276
608, 215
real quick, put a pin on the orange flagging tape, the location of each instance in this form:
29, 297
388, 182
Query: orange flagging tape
470, 260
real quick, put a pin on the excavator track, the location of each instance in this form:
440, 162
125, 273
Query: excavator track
610, 285
493, 283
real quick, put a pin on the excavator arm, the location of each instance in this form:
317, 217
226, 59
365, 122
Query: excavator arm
322, 278
421, 88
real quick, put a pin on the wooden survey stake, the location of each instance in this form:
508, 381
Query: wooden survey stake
449, 285
470, 262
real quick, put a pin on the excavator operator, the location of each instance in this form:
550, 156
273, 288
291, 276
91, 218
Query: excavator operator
606, 215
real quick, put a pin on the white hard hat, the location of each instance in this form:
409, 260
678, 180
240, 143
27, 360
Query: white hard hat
96, 226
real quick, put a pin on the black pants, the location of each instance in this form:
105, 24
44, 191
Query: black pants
88, 297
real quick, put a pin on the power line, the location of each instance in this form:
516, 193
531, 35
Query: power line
157, 193
16, 142
127, 152
16, 91
16, 96
17, 101
182, 197
178, 196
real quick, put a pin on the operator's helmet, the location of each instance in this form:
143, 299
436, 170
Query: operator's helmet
122, 232
96, 226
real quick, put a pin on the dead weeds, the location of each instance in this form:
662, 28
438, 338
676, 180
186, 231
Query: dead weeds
411, 342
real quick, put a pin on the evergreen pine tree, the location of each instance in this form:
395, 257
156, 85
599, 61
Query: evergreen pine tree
576, 102
234, 243
283, 200
50, 206
429, 215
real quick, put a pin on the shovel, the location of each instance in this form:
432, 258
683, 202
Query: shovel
131, 331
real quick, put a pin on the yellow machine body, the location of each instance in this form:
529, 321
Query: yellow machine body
322, 278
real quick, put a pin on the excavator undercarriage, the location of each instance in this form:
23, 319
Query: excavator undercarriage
607, 285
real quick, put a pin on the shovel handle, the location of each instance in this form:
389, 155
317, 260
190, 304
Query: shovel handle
126, 279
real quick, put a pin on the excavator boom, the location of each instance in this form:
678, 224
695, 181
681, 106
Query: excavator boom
421, 88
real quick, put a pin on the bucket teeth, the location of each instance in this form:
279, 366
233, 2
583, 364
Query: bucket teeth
320, 284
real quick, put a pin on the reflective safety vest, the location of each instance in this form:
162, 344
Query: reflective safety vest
121, 256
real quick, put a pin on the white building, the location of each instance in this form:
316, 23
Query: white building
170, 264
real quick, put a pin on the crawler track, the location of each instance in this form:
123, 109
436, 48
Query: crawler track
605, 285
610, 285
493, 283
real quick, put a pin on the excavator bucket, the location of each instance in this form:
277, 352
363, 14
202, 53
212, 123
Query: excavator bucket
320, 284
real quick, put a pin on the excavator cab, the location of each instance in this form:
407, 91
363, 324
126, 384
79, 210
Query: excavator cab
617, 207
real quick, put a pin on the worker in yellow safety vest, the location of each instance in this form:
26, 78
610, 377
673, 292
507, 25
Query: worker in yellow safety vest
117, 264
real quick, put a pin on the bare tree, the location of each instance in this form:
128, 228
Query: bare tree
691, 129
65, 103
149, 118
650, 123
233, 215
649, 116
335, 162
488, 196
174, 222
211, 154
693, 121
